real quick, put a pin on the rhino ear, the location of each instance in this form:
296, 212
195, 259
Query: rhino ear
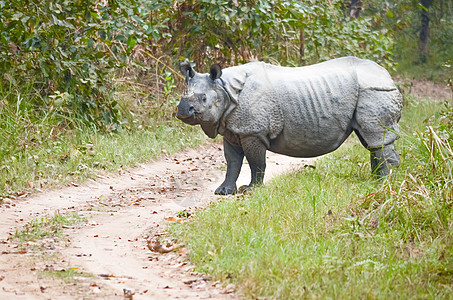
186, 70
215, 71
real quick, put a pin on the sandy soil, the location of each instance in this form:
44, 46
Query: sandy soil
124, 214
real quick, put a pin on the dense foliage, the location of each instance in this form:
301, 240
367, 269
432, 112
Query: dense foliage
287, 32
64, 51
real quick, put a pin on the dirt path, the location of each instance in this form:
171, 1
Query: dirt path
124, 213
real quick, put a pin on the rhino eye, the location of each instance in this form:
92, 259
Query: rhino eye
203, 98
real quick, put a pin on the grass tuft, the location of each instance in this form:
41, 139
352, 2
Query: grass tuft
46, 227
67, 275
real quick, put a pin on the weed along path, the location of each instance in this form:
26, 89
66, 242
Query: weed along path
112, 241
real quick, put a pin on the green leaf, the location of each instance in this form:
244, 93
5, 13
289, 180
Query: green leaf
422, 7
131, 42
155, 34
120, 38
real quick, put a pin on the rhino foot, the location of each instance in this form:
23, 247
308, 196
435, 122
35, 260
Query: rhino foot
226, 190
383, 159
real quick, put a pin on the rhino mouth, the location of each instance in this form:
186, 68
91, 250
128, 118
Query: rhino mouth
209, 128
188, 119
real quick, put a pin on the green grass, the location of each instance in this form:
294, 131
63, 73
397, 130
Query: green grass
67, 275
333, 231
46, 227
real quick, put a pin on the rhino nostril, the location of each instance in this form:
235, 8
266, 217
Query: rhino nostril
191, 110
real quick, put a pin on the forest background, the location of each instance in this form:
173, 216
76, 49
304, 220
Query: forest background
81, 79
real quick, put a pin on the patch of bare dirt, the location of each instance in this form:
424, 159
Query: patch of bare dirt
119, 252
425, 89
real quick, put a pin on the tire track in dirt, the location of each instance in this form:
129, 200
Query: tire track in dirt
123, 213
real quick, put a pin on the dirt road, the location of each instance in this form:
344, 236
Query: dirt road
108, 256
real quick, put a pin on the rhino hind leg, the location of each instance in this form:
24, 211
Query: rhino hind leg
376, 124
383, 159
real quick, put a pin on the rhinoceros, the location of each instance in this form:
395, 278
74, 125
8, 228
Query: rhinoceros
301, 112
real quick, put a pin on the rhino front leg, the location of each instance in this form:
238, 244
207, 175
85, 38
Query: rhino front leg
234, 156
255, 152
382, 159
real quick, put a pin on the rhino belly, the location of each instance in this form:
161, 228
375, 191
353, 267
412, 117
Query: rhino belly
317, 114
303, 142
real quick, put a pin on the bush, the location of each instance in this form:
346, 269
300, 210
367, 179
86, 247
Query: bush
67, 50
290, 32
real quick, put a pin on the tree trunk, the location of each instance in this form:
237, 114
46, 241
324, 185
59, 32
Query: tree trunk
424, 31
302, 46
354, 8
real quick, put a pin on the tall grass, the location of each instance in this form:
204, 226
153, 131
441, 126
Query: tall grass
334, 232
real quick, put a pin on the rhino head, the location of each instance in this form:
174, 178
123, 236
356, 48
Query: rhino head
205, 99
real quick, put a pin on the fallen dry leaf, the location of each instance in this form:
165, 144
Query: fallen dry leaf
189, 281
128, 294
7, 201
156, 246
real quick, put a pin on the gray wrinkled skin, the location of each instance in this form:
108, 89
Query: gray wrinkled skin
301, 112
